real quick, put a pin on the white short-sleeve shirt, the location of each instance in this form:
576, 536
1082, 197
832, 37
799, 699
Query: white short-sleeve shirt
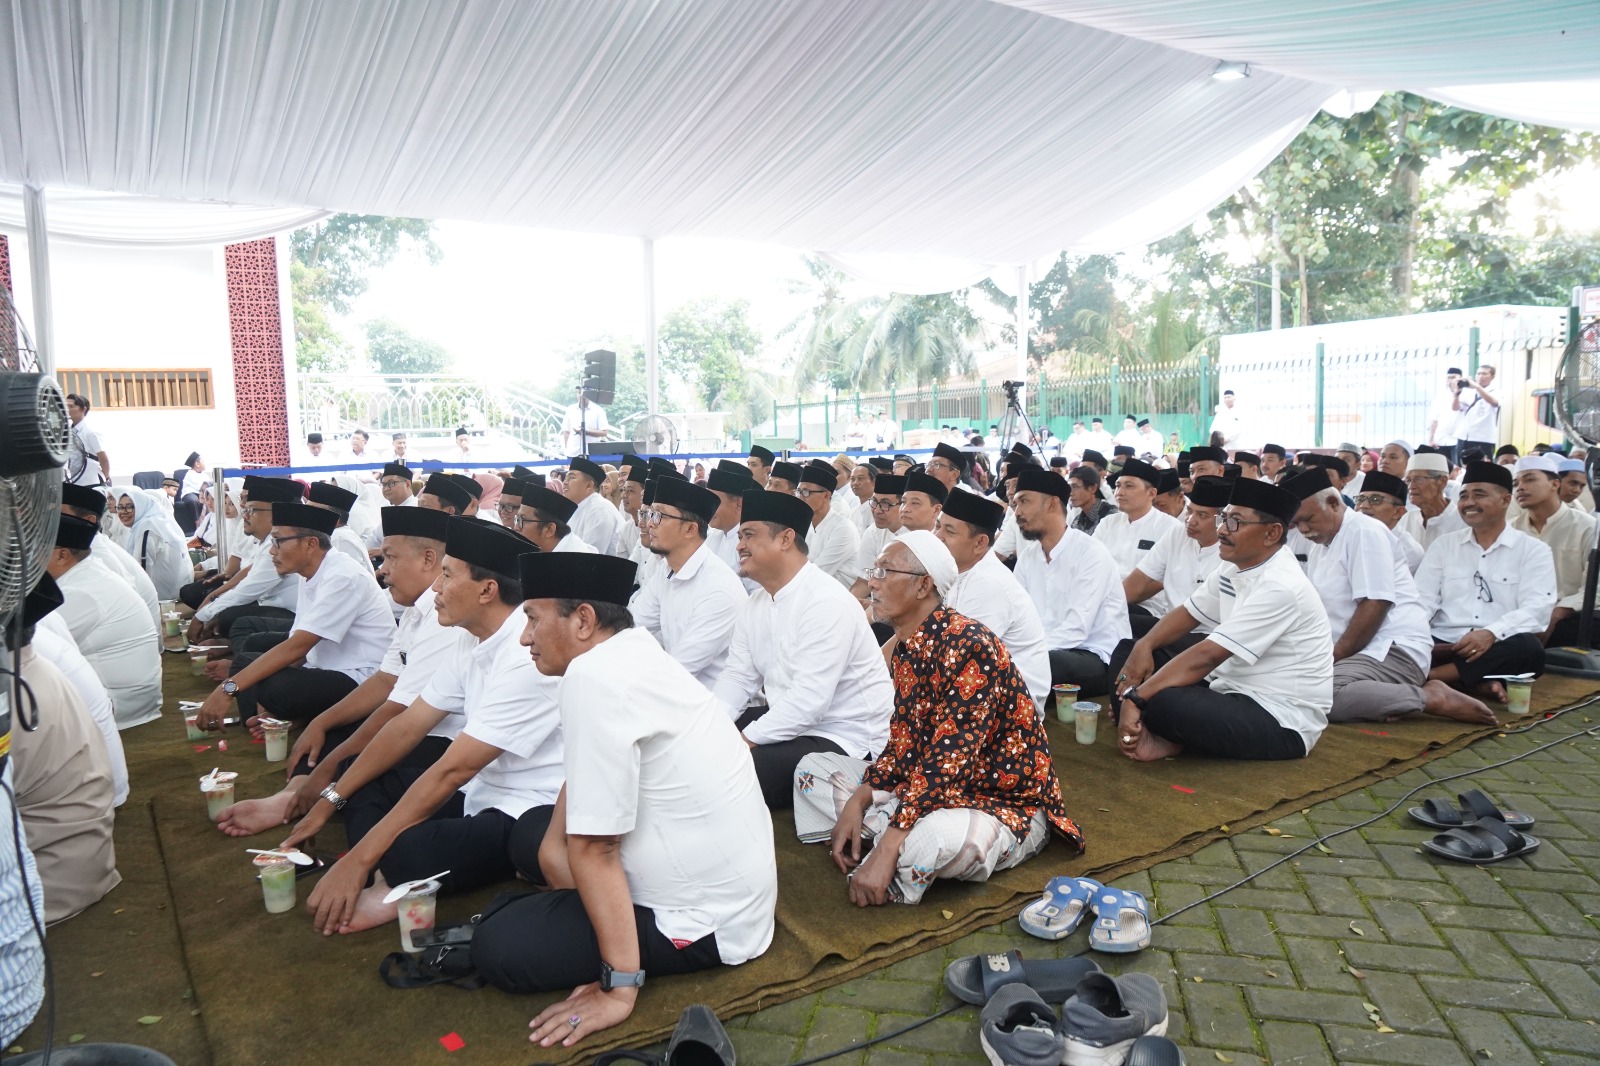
1364, 562
1180, 564
342, 604
1130, 541
420, 649
651, 758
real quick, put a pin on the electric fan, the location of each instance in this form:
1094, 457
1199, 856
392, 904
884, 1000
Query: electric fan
1577, 406
658, 435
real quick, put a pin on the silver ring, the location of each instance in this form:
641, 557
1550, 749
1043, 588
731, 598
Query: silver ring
575, 1021
1127, 738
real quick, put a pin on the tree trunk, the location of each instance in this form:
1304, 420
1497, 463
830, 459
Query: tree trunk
1407, 182
1304, 315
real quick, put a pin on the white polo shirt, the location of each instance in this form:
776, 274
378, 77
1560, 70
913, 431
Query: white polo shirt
114, 632
812, 650
261, 584
1180, 564
1363, 562
342, 605
1130, 541
1077, 591
420, 648
692, 612
989, 593
508, 704
832, 547
650, 758
1271, 622
1508, 588
598, 522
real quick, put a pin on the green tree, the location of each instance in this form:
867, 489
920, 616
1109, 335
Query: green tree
1073, 285
331, 265
396, 350
708, 344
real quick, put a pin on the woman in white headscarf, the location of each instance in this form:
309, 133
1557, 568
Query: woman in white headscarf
155, 541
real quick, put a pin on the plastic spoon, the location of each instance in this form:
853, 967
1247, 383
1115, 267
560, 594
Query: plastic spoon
299, 858
399, 891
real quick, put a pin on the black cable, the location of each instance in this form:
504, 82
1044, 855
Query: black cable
38, 929
1247, 878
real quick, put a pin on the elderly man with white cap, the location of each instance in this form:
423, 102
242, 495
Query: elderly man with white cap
1566, 531
1427, 477
965, 786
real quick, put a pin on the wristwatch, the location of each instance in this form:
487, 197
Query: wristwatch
333, 797
610, 978
230, 687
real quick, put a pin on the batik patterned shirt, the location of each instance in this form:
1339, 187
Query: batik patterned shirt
965, 732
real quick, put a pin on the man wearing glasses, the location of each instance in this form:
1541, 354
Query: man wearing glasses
395, 484
342, 627
1260, 684
947, 463
1488, 589
1383, 496
691, 603
833, 539
884, 505
805, 642
257, 589
1431, 515
544, 519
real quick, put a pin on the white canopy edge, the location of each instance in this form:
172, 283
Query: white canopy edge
111, 218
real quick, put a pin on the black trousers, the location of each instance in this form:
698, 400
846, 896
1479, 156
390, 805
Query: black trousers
544, 942
1161, 657
1227, 725
1520, 653
417, 760
249, 619
295, 693
1485, 447
192, 594
1565, 634
775, 763
1074, 666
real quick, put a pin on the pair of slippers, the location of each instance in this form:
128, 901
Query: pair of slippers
699, 1040
1122, 916
1475, 829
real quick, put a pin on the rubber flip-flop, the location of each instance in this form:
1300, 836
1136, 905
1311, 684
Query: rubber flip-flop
1484, 841
1057, 913
1441, 814
1154, 1051
974, 978
1122, 921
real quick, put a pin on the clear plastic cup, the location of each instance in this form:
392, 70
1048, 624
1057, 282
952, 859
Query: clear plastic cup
218, 790
1066, 696
416, 913
277, 882
1086, 720
190, 723
197, 664
174, 623
1518, 693
276, 734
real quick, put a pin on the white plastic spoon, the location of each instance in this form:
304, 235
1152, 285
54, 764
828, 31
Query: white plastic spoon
299, 858
400, 890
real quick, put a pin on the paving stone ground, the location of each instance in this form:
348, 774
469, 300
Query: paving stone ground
1315, 959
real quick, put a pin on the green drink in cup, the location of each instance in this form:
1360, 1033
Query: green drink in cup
277, 882
1066, 696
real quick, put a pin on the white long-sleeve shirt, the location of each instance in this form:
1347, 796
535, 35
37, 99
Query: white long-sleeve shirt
114, 632
1427, 530
598, 522
1507, 588
812, 650
1568, 534
692, 611
832, 547
989, 593
261, 584
1078, 592
117, 559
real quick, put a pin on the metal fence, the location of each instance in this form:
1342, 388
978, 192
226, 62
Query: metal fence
336, 404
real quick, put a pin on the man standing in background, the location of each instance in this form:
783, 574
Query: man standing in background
86, 455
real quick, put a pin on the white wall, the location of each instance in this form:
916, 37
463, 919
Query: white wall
142, 308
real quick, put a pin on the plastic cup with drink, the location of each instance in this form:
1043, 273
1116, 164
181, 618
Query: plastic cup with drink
1066, 696
1086, 720
418, 900
276, 733
1519, 692
277, 882
197, 664
217, 788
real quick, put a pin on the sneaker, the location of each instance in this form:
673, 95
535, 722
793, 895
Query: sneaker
1102, 1019
1017, 1028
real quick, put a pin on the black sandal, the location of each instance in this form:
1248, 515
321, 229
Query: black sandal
1441, 814
1484, 841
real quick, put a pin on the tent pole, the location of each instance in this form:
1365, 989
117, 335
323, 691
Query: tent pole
1022, 326
39, 275
652, 387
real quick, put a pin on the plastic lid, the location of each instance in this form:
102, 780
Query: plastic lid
271, 860
212, 782
422, 888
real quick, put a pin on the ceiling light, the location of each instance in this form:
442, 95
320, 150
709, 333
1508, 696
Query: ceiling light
1231, 71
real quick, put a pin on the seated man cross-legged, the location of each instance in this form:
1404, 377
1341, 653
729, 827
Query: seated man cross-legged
1261, 683
966, 786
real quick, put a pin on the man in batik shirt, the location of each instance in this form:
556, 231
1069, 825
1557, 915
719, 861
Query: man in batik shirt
966, 786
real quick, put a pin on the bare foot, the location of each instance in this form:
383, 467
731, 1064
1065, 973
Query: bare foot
1442, 701
217, 669
1152, 747
1492, 690
249, 817
371, 910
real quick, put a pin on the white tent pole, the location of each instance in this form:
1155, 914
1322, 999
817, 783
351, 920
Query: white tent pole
652, 387
1022, 329
39, 275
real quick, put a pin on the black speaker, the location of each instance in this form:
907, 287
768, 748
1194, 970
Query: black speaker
600, 375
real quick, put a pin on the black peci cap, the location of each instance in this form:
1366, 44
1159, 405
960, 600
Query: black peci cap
582, 465
273, 489
84, 498
414, 522
780, 507
916, 481
304, 516
1388, 484
1210, 491
483, 544
1265, 497
75, 533
445, 487
763, 454
331, 495
1038, 479
817, 472
1487, 474
981, 514
591, 578
1304, 486
548, 502
687, 497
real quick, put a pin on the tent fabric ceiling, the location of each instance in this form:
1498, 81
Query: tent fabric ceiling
967, 129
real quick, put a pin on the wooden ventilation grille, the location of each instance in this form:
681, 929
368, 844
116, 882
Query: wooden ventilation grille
136, 390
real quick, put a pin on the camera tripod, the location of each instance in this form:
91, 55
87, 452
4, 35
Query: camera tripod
1014, 424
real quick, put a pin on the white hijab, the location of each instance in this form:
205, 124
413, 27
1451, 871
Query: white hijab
365, 514
157, 543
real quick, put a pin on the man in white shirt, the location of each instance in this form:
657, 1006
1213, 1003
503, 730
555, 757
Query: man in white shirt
691, 604
1076, 442
729, 481
1431, 514
543, 520
1098, 440
331, 497
473, 490
1566, 531
442, 492
1136, 527
1274, 458
630, 498
1447, 415
396, 485
805, 641
862, 477
986, 591
80, 501
480, 810
920, 501
113, 629
343, 624
1488, 590
1259, 686
833, 540
947, 464
1226, 421
1383, 497
660, 855
785, 477
885, 509
584, 421
1350, 455
760, 463
257, 590
1381, 647
596, 521
87, 463
194, 476
1478, 429
1206, 461
1128, 436
413, 556
399, 444
1151, 442
1073, 581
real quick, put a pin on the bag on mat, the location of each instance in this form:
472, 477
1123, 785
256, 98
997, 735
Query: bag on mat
446, 956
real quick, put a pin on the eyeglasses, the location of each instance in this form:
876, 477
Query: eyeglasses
278, 542
247, 510
523, 522
939, 464
883, 505
1483, 588
1377, 499
1231, 522
391, 482
507, 508
806, 494
124, 507
654, 518
878, 573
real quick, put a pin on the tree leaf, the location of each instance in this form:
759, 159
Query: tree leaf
1221, 1057
150, 1019
1385, 1029
1356, 929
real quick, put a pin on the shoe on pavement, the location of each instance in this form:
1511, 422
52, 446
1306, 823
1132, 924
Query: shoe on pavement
1102, 1019
1017, 1028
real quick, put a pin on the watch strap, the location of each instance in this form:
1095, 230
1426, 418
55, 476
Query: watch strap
610, 979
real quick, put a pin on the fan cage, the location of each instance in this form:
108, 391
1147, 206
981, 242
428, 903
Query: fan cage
1577, 386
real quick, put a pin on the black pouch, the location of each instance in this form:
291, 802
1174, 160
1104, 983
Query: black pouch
446, 956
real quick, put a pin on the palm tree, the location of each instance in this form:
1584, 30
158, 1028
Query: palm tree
883, 341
